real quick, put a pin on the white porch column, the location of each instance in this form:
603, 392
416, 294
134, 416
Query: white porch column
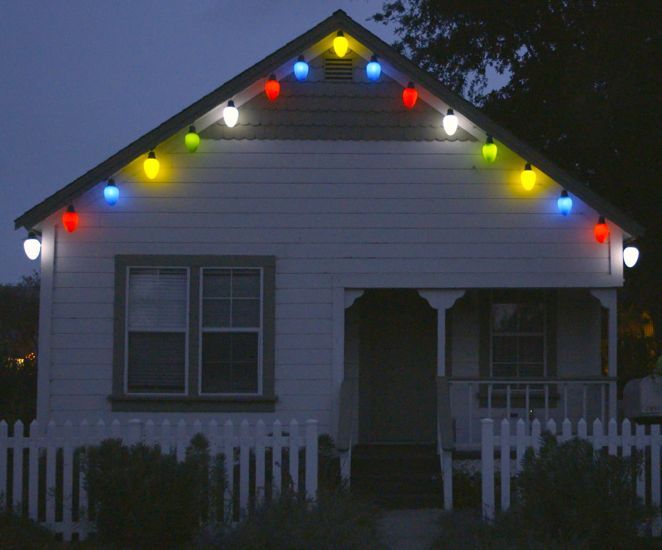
441, 300
608, 300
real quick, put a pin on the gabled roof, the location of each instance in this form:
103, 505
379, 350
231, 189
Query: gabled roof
339, 20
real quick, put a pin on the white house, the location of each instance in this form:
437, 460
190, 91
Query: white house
334, 255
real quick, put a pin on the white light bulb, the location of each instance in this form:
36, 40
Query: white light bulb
230, 114
630, 256
32, 246
450, 122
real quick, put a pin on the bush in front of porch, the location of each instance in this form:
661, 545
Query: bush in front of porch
567, 496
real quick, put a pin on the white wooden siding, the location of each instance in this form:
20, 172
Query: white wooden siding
326, 210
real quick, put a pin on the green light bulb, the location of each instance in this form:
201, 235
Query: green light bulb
192, 140
489, 150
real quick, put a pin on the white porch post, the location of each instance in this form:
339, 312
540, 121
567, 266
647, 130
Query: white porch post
608, 300
343, 298
442, 300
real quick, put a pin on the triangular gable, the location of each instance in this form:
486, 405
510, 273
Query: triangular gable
247, 85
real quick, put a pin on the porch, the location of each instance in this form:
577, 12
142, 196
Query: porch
425, 366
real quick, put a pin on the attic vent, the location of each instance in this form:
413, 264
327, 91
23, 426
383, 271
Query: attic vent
338, 69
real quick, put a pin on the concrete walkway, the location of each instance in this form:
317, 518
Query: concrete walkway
409, 529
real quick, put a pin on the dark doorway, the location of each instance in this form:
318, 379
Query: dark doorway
397, 368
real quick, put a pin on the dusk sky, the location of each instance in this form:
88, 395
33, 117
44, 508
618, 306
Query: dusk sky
81, 79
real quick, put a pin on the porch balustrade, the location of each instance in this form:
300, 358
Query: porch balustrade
472, 399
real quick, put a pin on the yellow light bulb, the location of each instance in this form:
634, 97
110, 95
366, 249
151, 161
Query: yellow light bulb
340, 44
151, 166
528, 177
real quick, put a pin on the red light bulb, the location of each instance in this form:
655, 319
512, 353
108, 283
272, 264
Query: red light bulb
70, 219
601, 230
272, 88
409, 96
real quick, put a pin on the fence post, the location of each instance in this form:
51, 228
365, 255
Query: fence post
311, 459
67, 479
505, 464
277, 458
487, 466
83, 515
447, 476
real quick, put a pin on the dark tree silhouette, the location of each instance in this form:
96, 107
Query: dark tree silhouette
583, 88
19, 318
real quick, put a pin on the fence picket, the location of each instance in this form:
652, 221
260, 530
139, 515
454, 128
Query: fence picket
641, 478
259, 462
228, 441
166, 436
67, 478
33, 471
181, 440
626, 438
613, 437
535, 435
277, 458
311, 458
83, 514
597, 434
505, 464
520, 429
17, 476
244, 459
487, 466
566, 430
294, 454
582, 429
51, 451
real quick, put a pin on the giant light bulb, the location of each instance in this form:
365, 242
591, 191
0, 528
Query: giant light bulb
450, 122
151, 165
630, 256
32, 246
340, 44
230, 114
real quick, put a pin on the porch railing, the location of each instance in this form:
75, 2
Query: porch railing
473, 399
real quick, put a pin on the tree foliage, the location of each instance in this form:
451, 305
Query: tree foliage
19, 318
582, 87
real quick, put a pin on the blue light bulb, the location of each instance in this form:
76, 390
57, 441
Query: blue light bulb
111, 193
373, 69
564, 203
301, 69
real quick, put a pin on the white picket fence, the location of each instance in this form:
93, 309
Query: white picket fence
530, 436
47, 483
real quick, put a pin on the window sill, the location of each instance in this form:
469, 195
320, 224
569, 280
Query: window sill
184, 404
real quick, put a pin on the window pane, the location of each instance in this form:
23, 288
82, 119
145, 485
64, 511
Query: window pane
229, 362
216, 283
246, 313
246, 283
504, 349
216, 313
157, 298
531, 369
504, 317
156, 362
531, 349
531, 318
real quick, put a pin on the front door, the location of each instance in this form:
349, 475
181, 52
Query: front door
397, 368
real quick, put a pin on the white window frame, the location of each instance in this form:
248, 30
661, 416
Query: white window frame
544, 331
126, 331
260, 332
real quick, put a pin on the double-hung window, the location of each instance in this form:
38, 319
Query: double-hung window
194, 333
518, 335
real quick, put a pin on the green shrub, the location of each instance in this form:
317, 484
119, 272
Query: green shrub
577, 495
335, 520
21, 532
144, 498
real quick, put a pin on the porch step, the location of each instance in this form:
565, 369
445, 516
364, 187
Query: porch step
397, 476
